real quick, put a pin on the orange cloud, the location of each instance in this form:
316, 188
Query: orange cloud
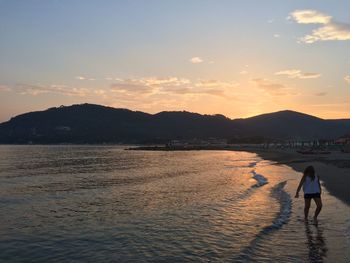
297, 73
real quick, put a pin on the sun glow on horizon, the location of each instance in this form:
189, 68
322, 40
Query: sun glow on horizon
240, 64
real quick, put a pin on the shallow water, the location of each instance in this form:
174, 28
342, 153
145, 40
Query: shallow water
105, 204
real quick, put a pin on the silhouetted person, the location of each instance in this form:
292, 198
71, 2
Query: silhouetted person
312, 190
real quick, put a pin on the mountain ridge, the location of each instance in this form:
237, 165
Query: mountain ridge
93, 123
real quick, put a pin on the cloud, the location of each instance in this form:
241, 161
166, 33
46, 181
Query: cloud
148, 85
4, 88
171, 81
212, 91
84, 78
196, 60
243, 72
347, 79
135, 89
332, 31
130, 88
276, 35
297, 73
309, 75
100, 92
310, 17
28, 89
271, 87
329, 29
195, 91
216, 83
320, 94
173, 85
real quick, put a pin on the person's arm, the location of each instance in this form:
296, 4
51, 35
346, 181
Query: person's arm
300, 185
319, 184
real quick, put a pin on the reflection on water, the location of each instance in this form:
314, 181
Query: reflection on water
105, 204
316, 243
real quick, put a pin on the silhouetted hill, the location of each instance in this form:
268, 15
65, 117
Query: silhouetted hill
292, 124
89, 123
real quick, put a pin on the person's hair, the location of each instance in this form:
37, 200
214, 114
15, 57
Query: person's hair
310, 171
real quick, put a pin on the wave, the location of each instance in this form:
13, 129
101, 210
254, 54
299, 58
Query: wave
252, 164
282, 217
286, 205
260, 179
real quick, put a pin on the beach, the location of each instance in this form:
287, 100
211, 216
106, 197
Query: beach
333, 168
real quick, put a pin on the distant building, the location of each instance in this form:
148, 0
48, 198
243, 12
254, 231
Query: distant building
176, 143
345, 142
209, 142
217, 142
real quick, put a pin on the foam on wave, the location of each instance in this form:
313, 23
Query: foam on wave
260, 179
252, 164
281, 218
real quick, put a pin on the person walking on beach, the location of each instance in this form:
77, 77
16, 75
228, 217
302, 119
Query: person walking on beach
312, 190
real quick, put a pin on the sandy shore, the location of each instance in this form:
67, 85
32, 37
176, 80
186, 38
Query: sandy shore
333, 169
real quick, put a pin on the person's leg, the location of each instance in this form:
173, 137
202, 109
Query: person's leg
318, 202
307, 207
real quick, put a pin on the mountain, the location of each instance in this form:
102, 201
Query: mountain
89, 123
284, 124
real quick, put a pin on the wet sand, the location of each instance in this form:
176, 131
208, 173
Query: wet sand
333, 169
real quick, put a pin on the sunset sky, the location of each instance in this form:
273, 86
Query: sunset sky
237, 58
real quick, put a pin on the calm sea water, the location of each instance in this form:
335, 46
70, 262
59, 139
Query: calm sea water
106, 204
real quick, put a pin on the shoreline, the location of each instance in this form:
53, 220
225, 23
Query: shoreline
333, 169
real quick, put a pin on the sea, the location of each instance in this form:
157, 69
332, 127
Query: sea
71, 203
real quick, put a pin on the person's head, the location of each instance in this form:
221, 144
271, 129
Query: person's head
310, 171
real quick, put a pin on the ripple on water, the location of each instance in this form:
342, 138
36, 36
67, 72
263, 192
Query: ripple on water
256, 248
100, 204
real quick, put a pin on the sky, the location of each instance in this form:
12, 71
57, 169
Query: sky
239, 58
